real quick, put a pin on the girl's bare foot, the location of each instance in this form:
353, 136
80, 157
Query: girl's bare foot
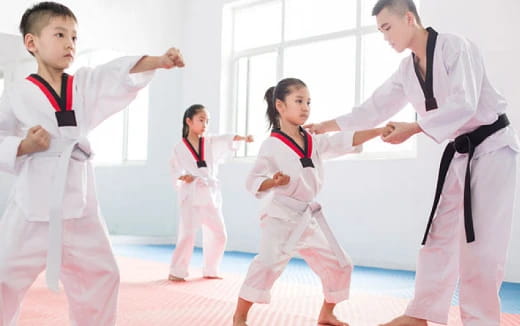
237, 321
406, 321
331, 320
174, 278
327, 316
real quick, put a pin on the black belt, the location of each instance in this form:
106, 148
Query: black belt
465, 143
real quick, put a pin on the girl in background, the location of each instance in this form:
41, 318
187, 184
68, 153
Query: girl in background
194, 166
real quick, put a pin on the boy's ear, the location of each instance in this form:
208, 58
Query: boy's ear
30, 43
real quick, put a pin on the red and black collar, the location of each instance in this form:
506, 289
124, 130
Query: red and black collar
199, 157
62, 105
304, 153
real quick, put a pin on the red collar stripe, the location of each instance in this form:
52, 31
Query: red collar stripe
289, 143
68, 104
45, 91
200, 156
63, 103
201, 149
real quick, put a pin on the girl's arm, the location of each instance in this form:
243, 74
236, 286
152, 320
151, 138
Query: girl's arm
278, 179
363, 136
247, 139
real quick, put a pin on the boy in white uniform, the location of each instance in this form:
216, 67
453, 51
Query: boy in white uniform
52, 218
470, 224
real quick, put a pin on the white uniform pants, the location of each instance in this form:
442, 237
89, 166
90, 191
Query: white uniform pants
214, 239
89, 272
271, 260
478, 266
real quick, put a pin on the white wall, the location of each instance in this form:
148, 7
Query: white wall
378, 208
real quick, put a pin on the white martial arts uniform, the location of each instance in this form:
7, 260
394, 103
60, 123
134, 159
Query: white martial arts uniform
463, 100
292, 222
52, 218
200, 202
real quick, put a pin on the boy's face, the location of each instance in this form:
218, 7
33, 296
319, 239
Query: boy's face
55, 46
198, 122
397, 29
296, 106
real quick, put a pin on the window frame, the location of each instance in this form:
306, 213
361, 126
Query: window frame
358, 32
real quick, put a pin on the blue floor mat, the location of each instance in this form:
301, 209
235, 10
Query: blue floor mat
364, 279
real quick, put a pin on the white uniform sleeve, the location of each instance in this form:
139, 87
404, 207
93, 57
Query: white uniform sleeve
176, 168
386, 101
223, 146
338, 144
465, 71
262, 170
109, 88
10, 138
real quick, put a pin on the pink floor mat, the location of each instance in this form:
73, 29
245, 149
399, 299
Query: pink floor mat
147, 298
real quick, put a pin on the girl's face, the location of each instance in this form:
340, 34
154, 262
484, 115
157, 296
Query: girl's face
295, 109
198, 122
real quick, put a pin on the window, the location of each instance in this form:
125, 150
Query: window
1, 83
332, 45
126, 131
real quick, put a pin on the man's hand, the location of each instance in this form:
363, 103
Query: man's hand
401, 132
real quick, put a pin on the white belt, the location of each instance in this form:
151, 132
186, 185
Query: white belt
309, 211
64, 149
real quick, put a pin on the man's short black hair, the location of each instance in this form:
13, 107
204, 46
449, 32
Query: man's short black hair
397, 6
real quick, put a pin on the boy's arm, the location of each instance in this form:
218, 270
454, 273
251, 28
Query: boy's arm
172, 58
10, 138
111, 87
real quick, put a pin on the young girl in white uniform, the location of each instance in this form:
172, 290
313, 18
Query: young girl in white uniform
290, 166
194, 166
469, 227
52, 220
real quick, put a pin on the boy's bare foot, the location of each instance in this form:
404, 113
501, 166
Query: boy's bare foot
406, 321
237, 321
331, 320
213, 277
174, 278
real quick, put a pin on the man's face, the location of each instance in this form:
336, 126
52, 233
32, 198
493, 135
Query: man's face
396, 28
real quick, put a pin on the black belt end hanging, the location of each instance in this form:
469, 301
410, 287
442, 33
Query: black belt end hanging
201, 164
431, 104
66, 118
307, 162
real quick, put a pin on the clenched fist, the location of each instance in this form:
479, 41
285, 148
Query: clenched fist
172, 58
37, 140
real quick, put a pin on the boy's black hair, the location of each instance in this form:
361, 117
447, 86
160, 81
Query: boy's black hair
36, 17
397, 6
